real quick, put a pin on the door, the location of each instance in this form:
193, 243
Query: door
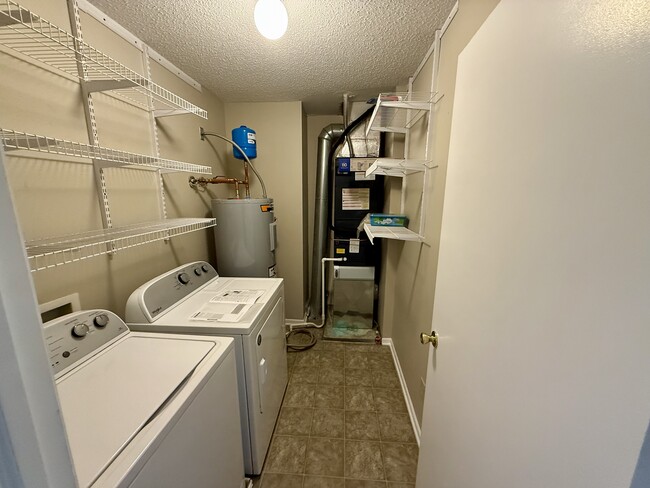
542, 373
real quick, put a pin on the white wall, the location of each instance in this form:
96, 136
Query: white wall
280, 162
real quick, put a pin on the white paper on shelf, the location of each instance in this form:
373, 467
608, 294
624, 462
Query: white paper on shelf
221, 312
238, 296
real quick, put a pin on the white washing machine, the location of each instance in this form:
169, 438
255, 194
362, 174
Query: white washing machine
144, 410
193, 299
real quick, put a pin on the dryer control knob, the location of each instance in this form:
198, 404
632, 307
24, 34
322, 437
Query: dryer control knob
184, 278
198, 272
80, 330
205, 268
101, 321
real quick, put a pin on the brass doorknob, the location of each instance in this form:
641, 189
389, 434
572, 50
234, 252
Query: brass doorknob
433, 338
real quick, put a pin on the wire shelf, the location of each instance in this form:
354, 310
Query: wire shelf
27, 33
383, 232
15, 140
398, 112
398, 167
52, 252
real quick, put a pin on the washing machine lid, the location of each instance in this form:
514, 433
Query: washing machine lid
113, 395
221, 316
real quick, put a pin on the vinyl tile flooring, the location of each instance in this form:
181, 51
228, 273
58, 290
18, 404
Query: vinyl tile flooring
343, 422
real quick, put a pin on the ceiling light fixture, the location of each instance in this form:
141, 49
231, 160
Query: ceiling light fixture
271, 18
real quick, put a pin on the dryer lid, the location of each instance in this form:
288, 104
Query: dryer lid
107, 400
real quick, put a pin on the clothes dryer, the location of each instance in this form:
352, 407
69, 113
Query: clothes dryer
143, 410
194, 299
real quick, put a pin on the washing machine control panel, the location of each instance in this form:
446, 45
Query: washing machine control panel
74, 336
170, 288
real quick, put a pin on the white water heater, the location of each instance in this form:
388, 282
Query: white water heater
245, 237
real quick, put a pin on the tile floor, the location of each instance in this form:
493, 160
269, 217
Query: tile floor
343, 422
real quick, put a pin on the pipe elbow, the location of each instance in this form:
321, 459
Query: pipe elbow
330, 132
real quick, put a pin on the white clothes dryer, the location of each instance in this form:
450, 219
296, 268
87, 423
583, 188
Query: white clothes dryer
143, 410
193, 299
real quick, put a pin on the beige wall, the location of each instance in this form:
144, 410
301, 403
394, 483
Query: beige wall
410, 268
279, 128
59, 197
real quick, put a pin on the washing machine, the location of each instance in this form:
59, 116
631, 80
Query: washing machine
143, 410
194, 299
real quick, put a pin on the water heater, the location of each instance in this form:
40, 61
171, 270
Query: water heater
245, 237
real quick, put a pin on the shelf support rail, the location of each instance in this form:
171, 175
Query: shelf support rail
162, 203
430, 143
91, 122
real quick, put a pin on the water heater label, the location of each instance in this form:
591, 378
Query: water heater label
251, 138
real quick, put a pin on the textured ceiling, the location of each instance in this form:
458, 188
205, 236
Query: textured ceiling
330, 48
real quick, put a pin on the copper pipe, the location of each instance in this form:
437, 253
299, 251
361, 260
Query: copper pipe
215, 180
246, 180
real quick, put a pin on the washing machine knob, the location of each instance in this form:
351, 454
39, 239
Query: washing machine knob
79, 330
198, 272
205, 268
101, 321
184, 278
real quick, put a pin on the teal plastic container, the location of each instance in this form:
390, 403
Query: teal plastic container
388, 220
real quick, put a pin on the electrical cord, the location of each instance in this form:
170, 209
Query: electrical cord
203, 134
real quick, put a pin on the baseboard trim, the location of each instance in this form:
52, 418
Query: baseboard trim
417, 431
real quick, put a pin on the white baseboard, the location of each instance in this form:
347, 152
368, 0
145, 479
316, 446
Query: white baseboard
417, 431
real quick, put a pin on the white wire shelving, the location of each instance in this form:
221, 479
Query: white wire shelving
398, 112
399, 167
15, 140
384, 232
29, 34
52, 252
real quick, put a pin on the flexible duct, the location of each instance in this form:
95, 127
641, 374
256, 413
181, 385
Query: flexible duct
328, 136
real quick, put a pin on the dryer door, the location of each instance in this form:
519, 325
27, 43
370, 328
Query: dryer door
271, 357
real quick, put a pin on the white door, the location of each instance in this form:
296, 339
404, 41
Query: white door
542, 374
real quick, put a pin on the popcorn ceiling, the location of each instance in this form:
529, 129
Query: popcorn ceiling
330, 48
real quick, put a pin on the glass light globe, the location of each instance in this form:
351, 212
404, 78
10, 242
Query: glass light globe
271, 18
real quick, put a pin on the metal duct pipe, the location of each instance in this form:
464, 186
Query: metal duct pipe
328, 136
